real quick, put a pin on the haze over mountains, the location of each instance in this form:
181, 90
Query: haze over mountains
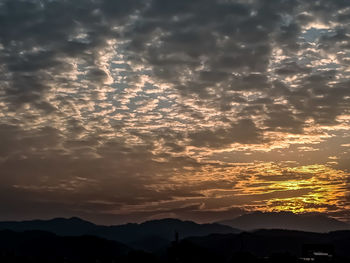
286, 220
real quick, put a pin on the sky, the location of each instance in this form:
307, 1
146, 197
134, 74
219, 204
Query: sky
124, 111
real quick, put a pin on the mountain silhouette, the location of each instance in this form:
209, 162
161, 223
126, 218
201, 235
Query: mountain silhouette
150, 235
40, 246
66, 227
268, 242
286, 220
263, 246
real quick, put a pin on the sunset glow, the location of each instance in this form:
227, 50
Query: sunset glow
204, 110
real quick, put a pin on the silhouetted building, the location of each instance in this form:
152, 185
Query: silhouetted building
318, 252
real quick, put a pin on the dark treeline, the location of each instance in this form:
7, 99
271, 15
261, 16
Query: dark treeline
260, 246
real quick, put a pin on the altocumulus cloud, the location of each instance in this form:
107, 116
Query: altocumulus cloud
127, 110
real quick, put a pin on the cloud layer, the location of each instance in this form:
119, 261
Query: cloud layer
128, 110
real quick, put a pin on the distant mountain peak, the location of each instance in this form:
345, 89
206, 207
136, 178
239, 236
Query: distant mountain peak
165, 220
78, 219
70, 220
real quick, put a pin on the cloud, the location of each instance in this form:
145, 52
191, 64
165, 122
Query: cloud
133, 106
242, 132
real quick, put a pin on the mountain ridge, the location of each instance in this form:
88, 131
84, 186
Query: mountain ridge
161, 230
286, 220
